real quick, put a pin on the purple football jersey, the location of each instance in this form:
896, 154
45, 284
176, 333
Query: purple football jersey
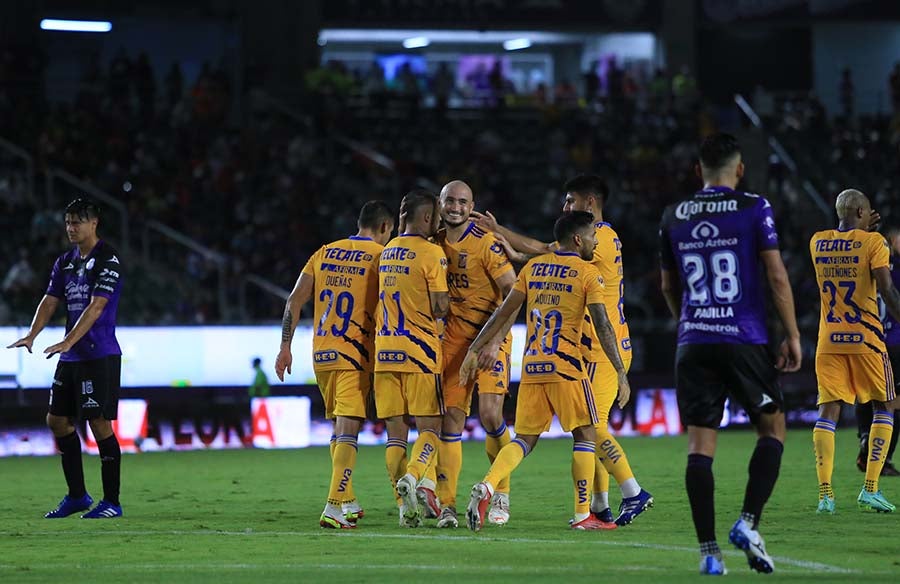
76, 280
891, 326
713, 240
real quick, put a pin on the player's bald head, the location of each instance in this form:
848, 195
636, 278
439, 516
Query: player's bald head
849, 202
457, 189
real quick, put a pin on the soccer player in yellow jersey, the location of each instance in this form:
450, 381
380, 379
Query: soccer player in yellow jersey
588, 192
558, 288
342, 277
479, 277
852, 363
412, 298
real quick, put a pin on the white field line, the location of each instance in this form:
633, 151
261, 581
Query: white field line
782, 560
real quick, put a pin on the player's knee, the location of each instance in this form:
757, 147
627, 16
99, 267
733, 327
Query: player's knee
491, 421
830, 411
101, 428
59, 425
587, 433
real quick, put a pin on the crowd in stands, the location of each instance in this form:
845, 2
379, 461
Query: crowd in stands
264, 186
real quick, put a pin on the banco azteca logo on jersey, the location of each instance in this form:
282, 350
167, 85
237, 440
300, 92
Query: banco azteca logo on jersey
704, 230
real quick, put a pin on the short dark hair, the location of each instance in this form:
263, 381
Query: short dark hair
717, 150
415, 200
588, 184
571, 223
83, 209
373, 214
257, 362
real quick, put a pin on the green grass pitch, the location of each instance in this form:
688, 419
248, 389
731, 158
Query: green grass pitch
252, 515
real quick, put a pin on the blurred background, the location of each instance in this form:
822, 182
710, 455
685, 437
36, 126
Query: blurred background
226, 140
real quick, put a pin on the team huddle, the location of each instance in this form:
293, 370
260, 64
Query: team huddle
412, 327
425, 318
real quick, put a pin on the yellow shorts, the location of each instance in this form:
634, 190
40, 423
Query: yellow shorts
415, 394
858, 376
571, 401
495, 381
345, 392
605, 384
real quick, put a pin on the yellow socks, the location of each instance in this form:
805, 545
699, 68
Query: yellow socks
509, 457
493, 444
583, 465
823, 441
342, 464
448, 466
879, 439
395, 457
424, 454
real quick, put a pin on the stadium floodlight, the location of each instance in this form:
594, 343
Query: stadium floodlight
76, 25
416, 42
516, 44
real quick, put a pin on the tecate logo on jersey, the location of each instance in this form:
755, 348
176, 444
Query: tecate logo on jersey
847, 338
688, 209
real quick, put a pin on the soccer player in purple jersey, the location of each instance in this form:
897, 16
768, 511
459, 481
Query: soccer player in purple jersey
892, 340
88, 278
712, 246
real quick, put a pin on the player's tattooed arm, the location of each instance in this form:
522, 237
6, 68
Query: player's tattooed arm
287, 326
607, 336
300, 295
610, 346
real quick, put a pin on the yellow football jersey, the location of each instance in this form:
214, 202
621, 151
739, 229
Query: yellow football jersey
407, 336
559, 287
608, 260
345, 296
844, 261
473, 265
